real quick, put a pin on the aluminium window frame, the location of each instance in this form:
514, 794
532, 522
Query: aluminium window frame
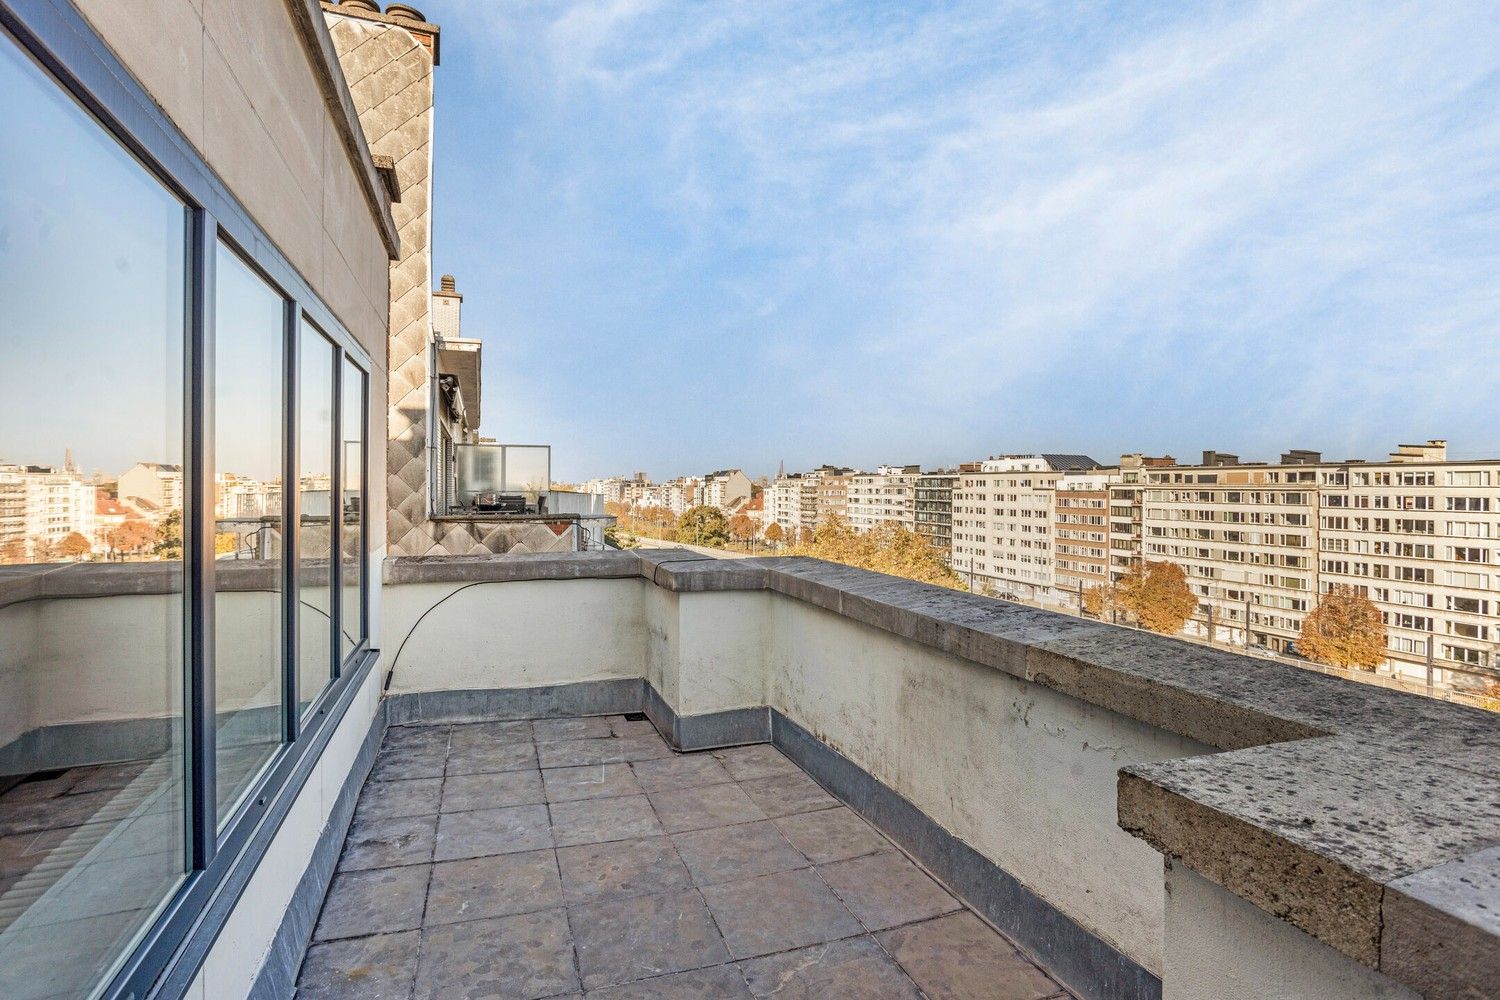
170, 951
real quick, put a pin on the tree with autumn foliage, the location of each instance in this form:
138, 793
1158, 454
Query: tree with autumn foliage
74, 546
131, 535
1344, 630
774, 534
888, 548
742, 528
1100, 600
1157, 596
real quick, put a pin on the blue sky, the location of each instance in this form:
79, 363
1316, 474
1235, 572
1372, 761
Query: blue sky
728, 234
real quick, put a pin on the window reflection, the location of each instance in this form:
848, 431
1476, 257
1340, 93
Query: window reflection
92, 792
314, 487
249, 321
352, 454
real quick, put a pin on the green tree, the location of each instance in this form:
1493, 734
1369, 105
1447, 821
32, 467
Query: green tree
1157, 595
169, 536
1344, 630
703, 526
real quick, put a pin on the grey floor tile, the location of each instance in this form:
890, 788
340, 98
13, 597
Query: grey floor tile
592, 872
621, 726
496, 886
758, 761
958, 957
727, 853
592, 781
480, 734
465, 792
786, 794
373, 902
478, 832
416, 737
721, 982
831, 835
778, 912
853, 967
405, 763
551, 730
380, 967
887, 890
385, 843
708, 806
491, 757
521, 957
577, 753
599, 820
389, 799
667, 774
623, 940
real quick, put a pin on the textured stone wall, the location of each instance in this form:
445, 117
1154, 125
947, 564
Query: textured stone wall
389, 68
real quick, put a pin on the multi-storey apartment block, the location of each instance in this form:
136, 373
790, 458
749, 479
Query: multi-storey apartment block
1080, 532
1245, 535
1002, 523
934, 510
39, 507
889, 494
726, 489
1413, 533
832, 492
1418, 535
1125, 511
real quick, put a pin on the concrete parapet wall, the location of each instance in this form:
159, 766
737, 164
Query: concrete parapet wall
1069, 753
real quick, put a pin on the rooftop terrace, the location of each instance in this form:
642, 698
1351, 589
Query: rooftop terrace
583, 856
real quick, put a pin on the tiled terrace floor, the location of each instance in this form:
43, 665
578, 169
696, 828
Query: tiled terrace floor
582, 857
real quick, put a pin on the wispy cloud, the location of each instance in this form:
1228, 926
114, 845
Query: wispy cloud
871, 230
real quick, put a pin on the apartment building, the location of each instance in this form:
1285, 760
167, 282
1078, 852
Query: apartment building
726, 489
1003, 513
39, 507
1420, 536
152, 487
832, 493
800, 501
889, 494
1125, 511
1080, 531
934, 510
1246, 535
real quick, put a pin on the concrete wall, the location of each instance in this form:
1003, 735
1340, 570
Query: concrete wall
99, 671
1219, 946
1024, 775
513, 635
237, 79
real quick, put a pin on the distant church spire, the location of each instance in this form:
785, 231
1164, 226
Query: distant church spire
781, 470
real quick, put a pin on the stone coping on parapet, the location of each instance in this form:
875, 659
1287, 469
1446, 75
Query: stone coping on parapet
60, 581
1340, 807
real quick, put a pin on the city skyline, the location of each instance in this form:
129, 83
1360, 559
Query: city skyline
856, 236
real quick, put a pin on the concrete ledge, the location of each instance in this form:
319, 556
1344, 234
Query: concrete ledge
1329, 791
511, 569
1440, 928
604, 697
1085, 964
